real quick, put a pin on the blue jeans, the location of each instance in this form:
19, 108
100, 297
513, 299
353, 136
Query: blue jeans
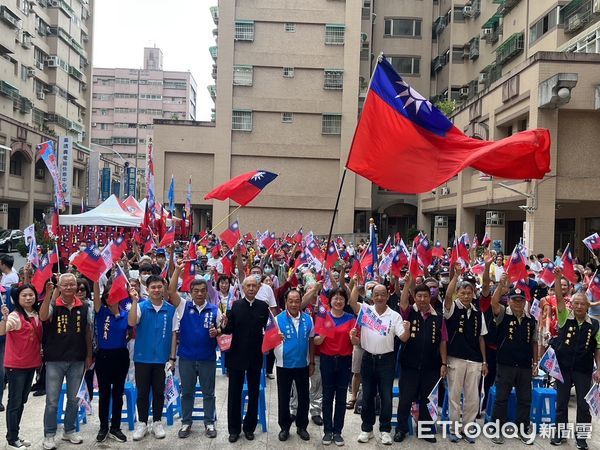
19, 385
377, 372
335, 376
56, 371
204, 372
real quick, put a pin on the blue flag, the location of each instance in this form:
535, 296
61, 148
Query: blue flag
172, 194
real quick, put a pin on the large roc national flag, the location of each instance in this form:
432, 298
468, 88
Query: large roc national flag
405, 144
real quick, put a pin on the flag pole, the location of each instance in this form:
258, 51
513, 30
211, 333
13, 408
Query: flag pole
337, 201
229, 215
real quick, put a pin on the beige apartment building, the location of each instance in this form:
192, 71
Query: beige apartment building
537, 66
45, 71
287, 83
124, 104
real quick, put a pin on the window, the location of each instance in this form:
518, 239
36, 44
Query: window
334, 79
287, 117
24, 69
243, 75
244, 31
289, 27
288, 72
331, 124
458, 53
402, 28
104, 126
104, 112
241, 120
405, 65
16, 164
543, 25
458, 14
334, 34
40, 170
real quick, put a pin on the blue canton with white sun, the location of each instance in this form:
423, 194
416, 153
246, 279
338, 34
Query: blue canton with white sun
388, 85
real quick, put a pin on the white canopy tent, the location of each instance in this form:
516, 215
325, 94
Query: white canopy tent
109, 213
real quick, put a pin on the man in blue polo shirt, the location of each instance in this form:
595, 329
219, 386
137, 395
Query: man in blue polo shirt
295, 361
196, 323
153, 319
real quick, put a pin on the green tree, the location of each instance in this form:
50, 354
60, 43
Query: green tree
40, 238
446, 106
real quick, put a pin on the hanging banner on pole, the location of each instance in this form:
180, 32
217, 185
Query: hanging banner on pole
105, 183
65, 166
130, 182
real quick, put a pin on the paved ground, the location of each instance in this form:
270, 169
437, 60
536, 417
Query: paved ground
33, 430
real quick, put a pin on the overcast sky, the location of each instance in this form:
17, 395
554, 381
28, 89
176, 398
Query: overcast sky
182, 29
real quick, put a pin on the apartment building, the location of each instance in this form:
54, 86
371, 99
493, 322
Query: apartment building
287, 83
45, 49
126, 101
513, 65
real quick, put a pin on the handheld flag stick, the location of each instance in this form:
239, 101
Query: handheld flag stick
224, 219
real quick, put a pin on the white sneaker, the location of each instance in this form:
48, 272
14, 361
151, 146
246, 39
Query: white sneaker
72, 437
49, 443
158, 430
386, 438
25, 442
141, 429
365, 436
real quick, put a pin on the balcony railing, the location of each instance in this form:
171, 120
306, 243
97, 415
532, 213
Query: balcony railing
75, 73
510, 48
506, 6
8, 90
212, 90
474, 48
214, 11
213, 52
439, 25
578, 13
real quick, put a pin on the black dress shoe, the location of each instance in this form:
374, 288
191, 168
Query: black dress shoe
399, 436
432, 440
284, 435
303, 434
233, 438
249, 435
39, 393
317, 420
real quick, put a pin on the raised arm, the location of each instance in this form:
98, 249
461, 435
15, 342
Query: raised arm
97, 301
560, 300
310, 296
171, 263
452, 286
485, 278
501, 290
404, 297
353, 302
172, 290
51, 295
132, 317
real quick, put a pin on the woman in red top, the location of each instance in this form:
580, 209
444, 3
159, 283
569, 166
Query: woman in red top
336, 362
23, 330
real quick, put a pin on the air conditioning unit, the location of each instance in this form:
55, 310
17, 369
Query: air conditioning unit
487, 31
52, 61
445, 190
466, 52
94, 124
41, 95
464, 91
39, 65
467, 11
574, 22
482, 77
31, 72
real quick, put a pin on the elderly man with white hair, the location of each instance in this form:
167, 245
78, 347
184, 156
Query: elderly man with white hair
67, 348
245, 322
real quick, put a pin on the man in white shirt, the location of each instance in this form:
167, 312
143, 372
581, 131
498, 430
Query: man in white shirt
378, 362
9, 275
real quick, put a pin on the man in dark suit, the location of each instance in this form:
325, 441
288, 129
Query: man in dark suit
245, 322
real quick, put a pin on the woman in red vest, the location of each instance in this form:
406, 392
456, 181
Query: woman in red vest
23, 330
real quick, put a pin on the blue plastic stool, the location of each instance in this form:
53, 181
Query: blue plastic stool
221, 363
262, 400
128, 414
60, 412
538, 382
543, 405
512, 405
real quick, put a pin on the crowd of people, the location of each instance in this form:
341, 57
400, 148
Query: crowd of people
446, 322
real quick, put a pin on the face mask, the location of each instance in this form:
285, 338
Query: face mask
144, 278
434, 292
257, 277
369, 294
82, 249
268, 271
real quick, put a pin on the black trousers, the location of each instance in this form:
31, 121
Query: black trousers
488, 380
19, 385
270, 361
508, 377
111, 369
150, 376
89, 381
583, 383
234, 400
377, 372
285, 378
415, 385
